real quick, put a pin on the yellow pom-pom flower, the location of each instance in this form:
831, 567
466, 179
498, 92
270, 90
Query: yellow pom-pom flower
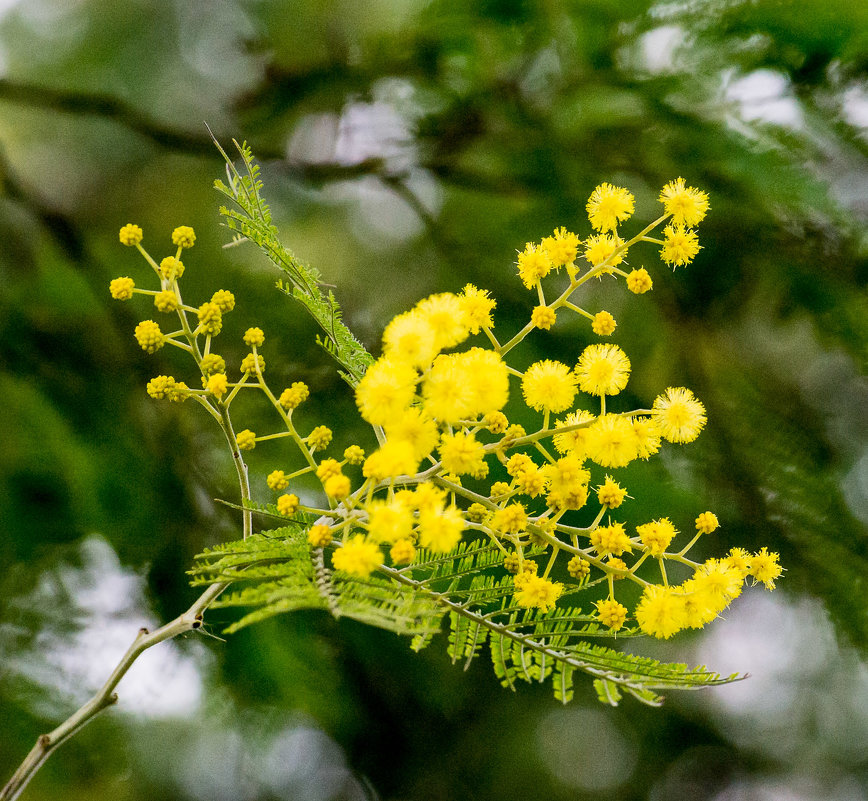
764, 567
445, 314
707, 522
246, 440
608, 206
537, 592
543, 317
217, 384
611, 540
149, 336
294, 396
656, 535
224, 299
579, 568
122, 288
549, 386
183, 236
562, 247
534, 263
612, 614
688, 206
661, 612
212, 363
573, 442
161, 387
639, 281
385, 391
461, 453
320, 438
171, 268
410, 338
417, 428
395, 458
254, 337
680, 245
440, 531
319, 536
678, 415
389, 521
354, 454
166, 301
253, 362
337, 487
358, 556
611, 441
210, 318
287, 505
478, 306
510, 520
130, 235
602, 247
603, 324
277, 480
403, 552
603, 370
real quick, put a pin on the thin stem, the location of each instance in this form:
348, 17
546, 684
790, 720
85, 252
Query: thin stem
105, 696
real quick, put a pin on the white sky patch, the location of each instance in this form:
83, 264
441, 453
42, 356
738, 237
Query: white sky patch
765, 96
92, 613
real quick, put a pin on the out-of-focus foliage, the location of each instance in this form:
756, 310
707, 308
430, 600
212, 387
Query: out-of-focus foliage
411, 147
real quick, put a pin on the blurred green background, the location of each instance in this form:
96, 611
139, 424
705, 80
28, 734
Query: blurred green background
410, 147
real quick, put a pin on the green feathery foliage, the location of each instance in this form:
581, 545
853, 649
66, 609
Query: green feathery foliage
250, 219
277, 571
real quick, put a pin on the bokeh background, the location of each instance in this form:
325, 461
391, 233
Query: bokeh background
410, 147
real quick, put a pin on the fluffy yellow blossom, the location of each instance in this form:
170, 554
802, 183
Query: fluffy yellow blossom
460, 386
403, 552
166, 301
277, 480
410, 338
543, 317
548, 386
568, 483
393, 459
688, 206
287, 505
738, 559
656, 535
385, 391
611, 539
764, 567
254, 337
531, 482
354, 454
212, 363
319, 535
601, 248
510, 520
389, 521
165, 387
608, 206
573, 441
246, 440
707, 522
328, 468
358, 556
678, 415
603, 324
562, 247
461, 453
611, 494
612, 614
210, 318
639, 281
417, 428
478, 306
647, 436
579, 568
534, 263
171, 268
440, 531
253, 362
121, 288
661, 612
149, 336
680, 245
130, 235
319, 439
337, 487
447, 318
224, 299
183, 236
603, 370
294, 396
495, 422
538, 593
217, 384
611, 441
518, 463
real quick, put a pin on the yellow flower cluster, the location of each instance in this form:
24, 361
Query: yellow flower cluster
449, 462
